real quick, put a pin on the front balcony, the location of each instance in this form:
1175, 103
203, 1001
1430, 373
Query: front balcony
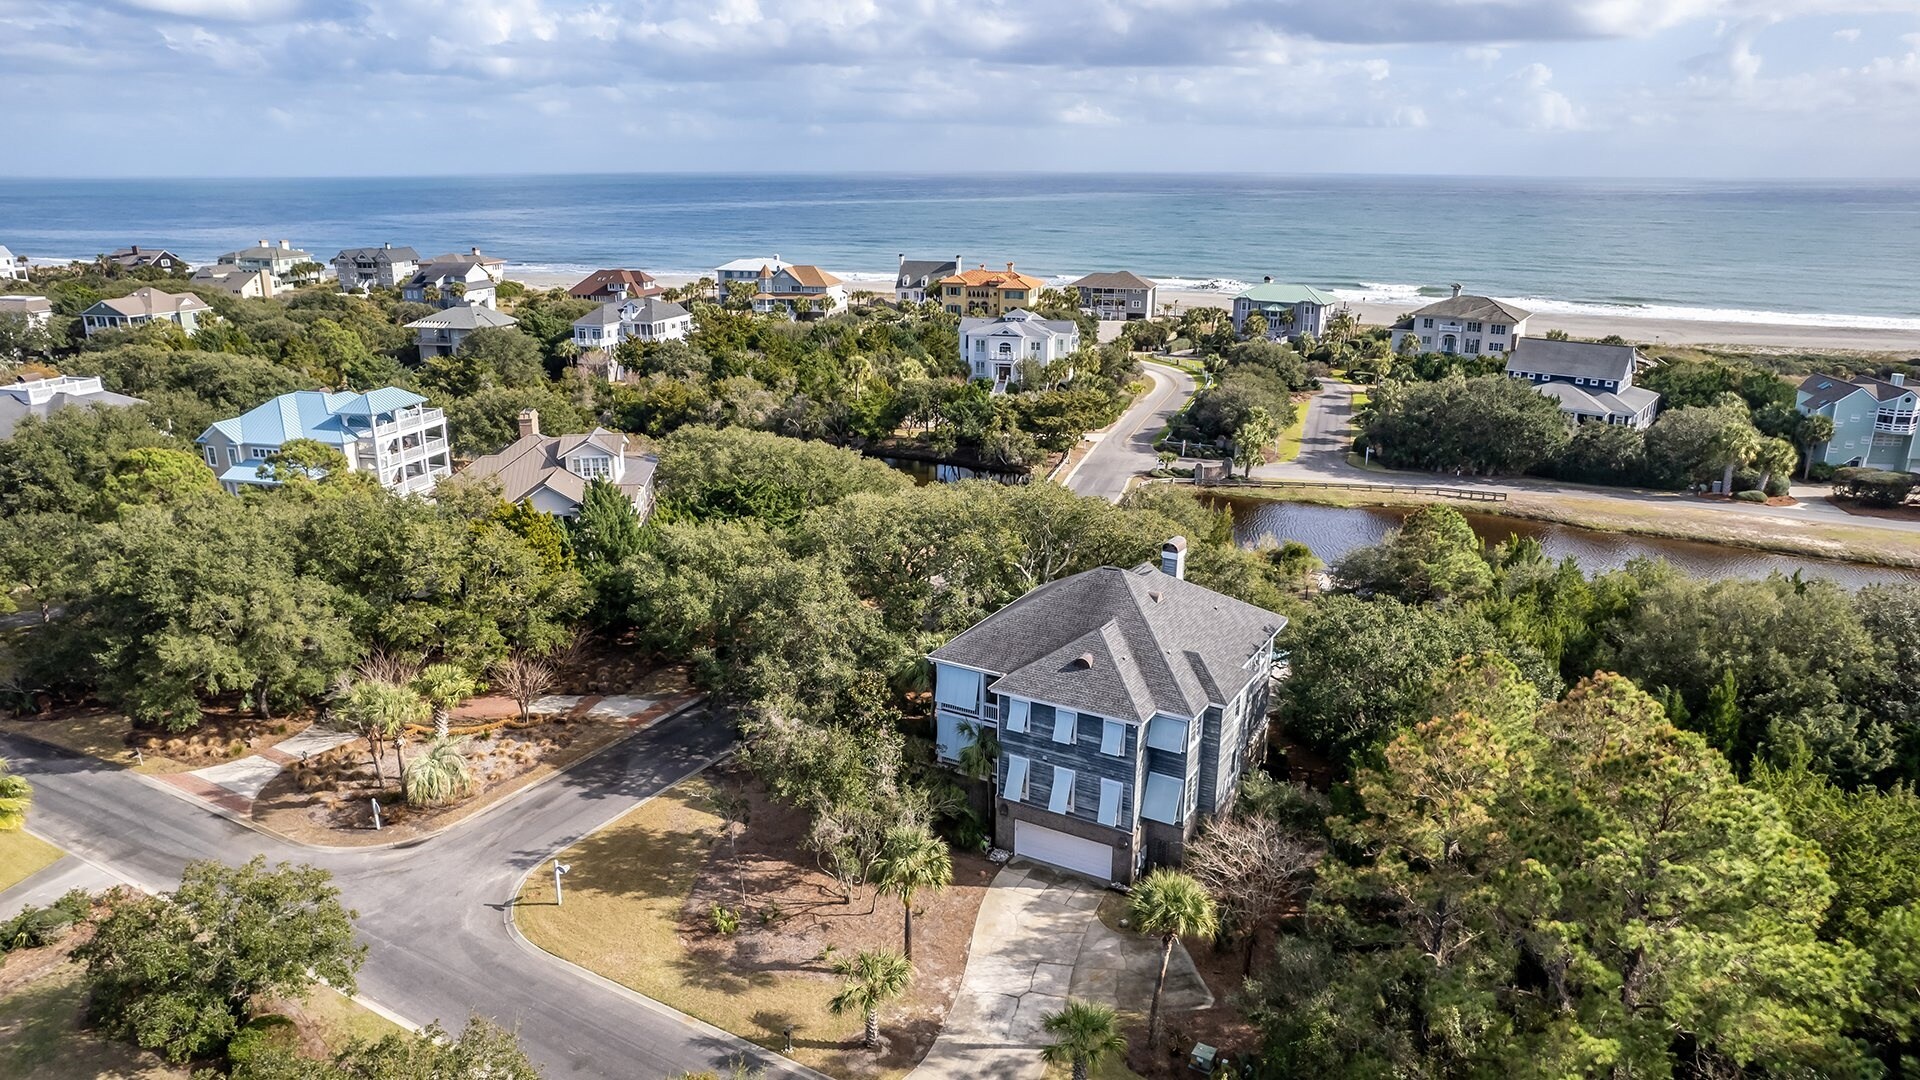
1903, 424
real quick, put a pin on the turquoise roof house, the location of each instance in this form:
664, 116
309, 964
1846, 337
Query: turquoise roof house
388, 432
1290, 310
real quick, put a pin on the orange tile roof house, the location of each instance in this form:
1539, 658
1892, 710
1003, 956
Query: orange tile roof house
552, 472
989, 292
605, 285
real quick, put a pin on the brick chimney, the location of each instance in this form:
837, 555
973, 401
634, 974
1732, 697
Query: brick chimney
1173, 557
529, 422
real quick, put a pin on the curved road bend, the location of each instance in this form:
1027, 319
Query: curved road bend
1126, 450
435, 914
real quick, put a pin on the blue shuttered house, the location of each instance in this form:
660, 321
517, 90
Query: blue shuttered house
1127, 705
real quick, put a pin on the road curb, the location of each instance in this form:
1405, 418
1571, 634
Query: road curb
768, 1060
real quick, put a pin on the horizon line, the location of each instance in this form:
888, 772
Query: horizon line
914, 174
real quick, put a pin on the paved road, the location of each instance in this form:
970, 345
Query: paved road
1126, 449
434, 913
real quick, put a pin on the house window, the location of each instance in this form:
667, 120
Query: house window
1017, 716
233, 455
593, 466
1110, 791
1426, 324
1473, 328
1497, 329
1060, 799
1166, 733
1113, 738
1066, 726
1473, 344
213, 459
1017, 768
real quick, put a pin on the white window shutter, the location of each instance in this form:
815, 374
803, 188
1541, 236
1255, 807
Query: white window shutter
1061, 799
1066, 725
1016, 778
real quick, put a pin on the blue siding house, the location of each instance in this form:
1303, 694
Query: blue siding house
388, 432
1875, 421
1127, 705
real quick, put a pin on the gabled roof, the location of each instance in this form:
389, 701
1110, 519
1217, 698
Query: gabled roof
752, 265
918, 272
1118, 279
441, 267
983, 278
267, 251
1020, 322
811, 276
1574, 359
535, 462
5, 255
25, 305
1824, 390
652, 309
380, 254
1119, 643
149, 301
43, 397
636, 281
464, 317
1473, 307
310, 414
1279, 292
1627, 401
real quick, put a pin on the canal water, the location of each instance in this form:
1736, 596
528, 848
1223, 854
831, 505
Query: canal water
1333, 531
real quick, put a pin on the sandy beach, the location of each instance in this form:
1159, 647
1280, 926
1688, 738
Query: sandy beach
1772, 337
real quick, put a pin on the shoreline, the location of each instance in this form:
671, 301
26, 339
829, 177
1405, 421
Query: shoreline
1641, 329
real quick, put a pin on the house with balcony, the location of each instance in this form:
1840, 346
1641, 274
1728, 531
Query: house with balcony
447, 280
139, 258
796, 291
1116, 296
1126, 704
606, 286
1593, 383
996, 349
1291, 311
277, 260
918, 279
749, 270
649, 319
44, 397
142, 306
36, 310
12, 267
383, 267
1463, 326
991, 293
551, 473
441, 333
1875, 421
389, 433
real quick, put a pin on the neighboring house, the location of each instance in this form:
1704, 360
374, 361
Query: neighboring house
229, 278
456, 279
1875, 422
1127, 705
995, 348
44, 397
918, 280
988, 292
1592, 382
651, 319
440, 333
12, 267
799, 290
136, 258
1464, 326
37, 310
1118, 295
1290, 310
142, 306
606, 285
748, 270
276, 259
551, 472
388, 432
383, 267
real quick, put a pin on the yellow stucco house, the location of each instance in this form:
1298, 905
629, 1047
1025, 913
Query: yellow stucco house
990, 293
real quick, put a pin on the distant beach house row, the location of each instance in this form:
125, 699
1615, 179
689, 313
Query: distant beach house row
1592, 382
142, 306
441, 333
278, 260
383, 267
389, 433
552, 472
1875, 421
1464, 326
1118, 295
44, 397
648, 319
453, 279
918, 279
996, 348
991, 293
1290, 310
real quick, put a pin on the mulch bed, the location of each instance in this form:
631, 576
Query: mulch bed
796, 919
1886, 513
1222, 1027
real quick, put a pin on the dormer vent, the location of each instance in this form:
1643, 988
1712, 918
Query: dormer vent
1083, 662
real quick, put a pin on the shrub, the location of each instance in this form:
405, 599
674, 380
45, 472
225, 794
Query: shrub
35, 927
1876, 486
1754, 496
725, 920
260, 1035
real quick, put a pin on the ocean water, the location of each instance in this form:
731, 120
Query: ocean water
1811, 253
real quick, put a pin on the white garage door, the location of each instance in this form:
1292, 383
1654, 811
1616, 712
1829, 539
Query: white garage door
1055, 848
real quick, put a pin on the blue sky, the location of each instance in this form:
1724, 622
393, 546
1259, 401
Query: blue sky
1717, 88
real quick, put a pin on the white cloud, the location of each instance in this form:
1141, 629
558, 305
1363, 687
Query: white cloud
1850, 34
1538, 106
1084, 112
1480, 56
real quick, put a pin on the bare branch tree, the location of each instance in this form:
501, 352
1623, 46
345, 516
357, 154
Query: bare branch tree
524, 678
1258, 871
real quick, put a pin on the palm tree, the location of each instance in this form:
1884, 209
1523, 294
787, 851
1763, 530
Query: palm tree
1088, 1032
444, 686
912, 859
15, 796
379, 711
1173, 905
439, 776
874, 977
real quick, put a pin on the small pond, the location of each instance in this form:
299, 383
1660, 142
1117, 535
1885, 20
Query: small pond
935, 472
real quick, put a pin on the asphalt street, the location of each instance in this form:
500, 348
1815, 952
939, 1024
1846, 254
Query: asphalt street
1126, 450
435, 914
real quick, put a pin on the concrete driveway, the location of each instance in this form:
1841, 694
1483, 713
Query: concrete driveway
1036, 942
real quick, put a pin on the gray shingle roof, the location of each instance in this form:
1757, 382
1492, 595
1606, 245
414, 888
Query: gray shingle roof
1824, 390
1628, 401
1119, 643
1574, 359
1473, 307
1024, 323
1118, 279
464, 317
918, 273
533, 462
380, 254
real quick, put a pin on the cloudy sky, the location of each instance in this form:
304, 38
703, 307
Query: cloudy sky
1740, 88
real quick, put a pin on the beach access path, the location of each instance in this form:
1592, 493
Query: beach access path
1124, 449
436, 914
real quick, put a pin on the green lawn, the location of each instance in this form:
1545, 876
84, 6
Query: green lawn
22, 855
1292, 434
41, 1037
